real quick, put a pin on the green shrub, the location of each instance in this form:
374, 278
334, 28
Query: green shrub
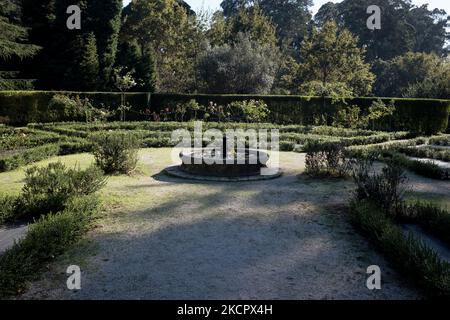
249, 111
116, 152
7, 208
423, 168
14, 161
46, 239
64, 108
353, 117
49, 189
384, 189
326, 159
349, 117
410, 255
441, 141
19, 138
433, 219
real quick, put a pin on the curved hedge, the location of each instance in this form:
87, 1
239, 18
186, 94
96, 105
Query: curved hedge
425, 116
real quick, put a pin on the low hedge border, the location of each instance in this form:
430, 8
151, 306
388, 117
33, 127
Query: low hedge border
425, 169
81, 129
13, 139
426, 152
412, 257
73, 137
441, 141
432, 219
28, 156
47, 238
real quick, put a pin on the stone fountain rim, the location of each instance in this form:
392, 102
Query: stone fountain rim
177, 172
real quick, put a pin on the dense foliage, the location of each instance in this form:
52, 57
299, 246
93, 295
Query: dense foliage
332, 56
425, 116
50, 189
164, 46
115, 152
47, 238
243, 67
378, 208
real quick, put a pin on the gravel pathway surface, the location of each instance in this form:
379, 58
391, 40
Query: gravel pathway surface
287, 238
10, 234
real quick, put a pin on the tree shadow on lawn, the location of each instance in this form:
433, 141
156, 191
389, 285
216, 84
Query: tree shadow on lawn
222, 245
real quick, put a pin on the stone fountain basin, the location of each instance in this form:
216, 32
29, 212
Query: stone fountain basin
243, 163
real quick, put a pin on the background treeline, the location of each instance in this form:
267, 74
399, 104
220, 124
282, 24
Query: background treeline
249, 47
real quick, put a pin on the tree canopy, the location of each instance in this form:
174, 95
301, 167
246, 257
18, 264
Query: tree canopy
13, 36
332, 56
414, 74
404, 27
246, 66
165, 27
269, 46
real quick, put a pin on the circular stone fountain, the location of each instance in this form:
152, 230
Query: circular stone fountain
208, 164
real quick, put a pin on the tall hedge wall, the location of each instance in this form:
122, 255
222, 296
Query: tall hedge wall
22, 107
419, 115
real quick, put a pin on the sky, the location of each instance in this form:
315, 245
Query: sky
215, 4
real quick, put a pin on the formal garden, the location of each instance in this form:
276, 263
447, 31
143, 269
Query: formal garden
93, 171
104, 182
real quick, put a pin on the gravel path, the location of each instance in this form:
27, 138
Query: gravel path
281, 239
10, 234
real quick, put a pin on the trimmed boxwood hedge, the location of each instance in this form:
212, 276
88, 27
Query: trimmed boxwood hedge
427, 116
28, 156
23, 107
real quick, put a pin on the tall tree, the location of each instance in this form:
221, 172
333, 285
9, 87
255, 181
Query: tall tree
59, 58
332, 56
429, 25
399, 75
104, 19
166, 27
231, 7
290, 17
250, 21
408, 27
58, 70
146, 72
245, 66
88, 63
13, 36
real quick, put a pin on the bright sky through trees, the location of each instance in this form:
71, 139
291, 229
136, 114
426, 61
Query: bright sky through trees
215, 4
